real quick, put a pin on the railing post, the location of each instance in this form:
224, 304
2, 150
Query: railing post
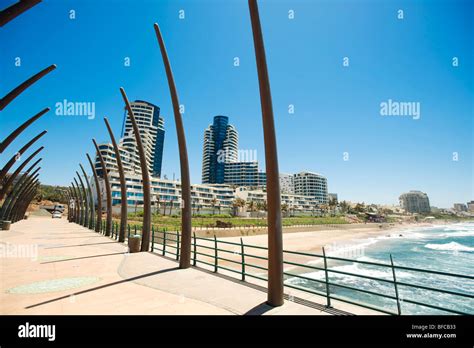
215, 254
128, 229
135, 229
396, 288
152, 237
328, 296
242, 253
164, 241
194, 249
177, 245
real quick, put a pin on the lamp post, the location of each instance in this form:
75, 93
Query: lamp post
99, 195
146, 227
123, 185
185, 255
108, 227
275, 240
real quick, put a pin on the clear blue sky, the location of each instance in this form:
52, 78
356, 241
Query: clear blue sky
336, 108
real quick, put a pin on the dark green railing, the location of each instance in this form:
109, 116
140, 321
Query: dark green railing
167, 243
209, 252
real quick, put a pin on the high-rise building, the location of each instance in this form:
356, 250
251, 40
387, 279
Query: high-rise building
152, 133
287, 183
311, 184
415, 202
221, 142
244, 174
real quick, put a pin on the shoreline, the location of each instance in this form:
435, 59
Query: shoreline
346, 236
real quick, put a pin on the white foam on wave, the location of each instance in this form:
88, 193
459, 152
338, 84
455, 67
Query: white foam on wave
452, 246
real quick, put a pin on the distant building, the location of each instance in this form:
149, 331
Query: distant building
311, 184
295, 203
287, 183
166, 194
221, 142
470, 206
415, 202
460, 207
152, 134
332, 197
244, 174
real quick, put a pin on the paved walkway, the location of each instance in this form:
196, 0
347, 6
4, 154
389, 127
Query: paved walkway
50, 266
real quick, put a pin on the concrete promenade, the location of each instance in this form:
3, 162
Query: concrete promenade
50, 266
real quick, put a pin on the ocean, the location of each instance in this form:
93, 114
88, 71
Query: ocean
445, 248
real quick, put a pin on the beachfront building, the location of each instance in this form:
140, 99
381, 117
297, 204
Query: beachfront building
415, 202
287, 183
220, 146
130, 161
332, 197
295, 204
152, 133
166, 195
470, 206
244, 174
460, 207
311, 184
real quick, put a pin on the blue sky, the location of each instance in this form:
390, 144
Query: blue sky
337, 108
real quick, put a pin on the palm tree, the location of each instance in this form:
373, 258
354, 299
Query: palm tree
345, 207
213, 205
238, 203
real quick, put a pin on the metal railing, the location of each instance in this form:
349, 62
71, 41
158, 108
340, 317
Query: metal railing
238, 258
209, 252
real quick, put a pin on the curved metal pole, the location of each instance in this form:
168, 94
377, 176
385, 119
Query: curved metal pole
8, 140
72, 209
146, 184
99, 196
12, 177
186, 214
17, 193
14, 93
91, 199
68, 197
123, 185
77, 206
12, 160
15, 10
16, 187
81, 203
86, 202
14, 206
275, 240
108, 227
20, 214
19, 210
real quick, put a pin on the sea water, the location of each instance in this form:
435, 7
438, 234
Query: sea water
444, 248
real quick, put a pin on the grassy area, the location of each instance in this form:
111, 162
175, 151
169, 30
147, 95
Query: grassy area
174, 222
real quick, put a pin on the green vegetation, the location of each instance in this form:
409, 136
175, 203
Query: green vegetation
174, 222
51, 193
